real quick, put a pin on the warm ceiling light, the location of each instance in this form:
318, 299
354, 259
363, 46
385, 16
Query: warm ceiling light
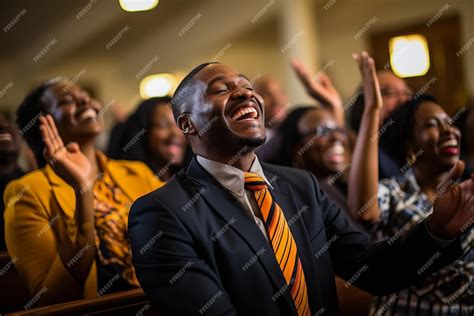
157, 85
409, 55
138, 5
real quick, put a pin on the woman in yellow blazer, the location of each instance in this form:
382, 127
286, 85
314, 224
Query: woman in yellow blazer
66, 224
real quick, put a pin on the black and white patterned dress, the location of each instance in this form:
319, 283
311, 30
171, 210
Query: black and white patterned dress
449, 291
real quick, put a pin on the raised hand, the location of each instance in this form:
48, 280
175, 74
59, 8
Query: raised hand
372, 94
364, 173
453, 210
67, 161
321, 89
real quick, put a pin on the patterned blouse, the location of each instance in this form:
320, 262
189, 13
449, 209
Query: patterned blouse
449, 291
115, 270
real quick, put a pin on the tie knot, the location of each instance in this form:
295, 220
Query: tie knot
254, 182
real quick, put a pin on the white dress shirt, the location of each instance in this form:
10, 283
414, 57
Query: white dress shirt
232, 179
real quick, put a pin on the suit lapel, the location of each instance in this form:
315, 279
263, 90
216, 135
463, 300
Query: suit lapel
124, 180
122, 176
227, 207
63, 192
66, 197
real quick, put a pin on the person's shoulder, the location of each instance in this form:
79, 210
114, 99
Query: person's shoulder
287, 173
169, 195
393, 181
134, 166
35, 179
393, 185
31, 188
391, 191
172, 189
300, 181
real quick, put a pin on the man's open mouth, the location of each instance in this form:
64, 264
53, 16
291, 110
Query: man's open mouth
6, 137
246, 111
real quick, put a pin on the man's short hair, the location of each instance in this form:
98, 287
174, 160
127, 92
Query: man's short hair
185, 89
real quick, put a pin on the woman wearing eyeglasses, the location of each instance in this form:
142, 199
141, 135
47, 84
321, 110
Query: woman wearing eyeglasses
311, 139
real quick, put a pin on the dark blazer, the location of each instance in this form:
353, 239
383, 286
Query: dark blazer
197, 252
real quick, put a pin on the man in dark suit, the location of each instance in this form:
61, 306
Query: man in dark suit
231, 236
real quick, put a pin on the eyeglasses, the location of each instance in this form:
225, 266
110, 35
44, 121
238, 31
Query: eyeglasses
325, 130
393, 93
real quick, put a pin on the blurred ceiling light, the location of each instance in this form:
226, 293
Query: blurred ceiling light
138, 5
409, 55
159, 85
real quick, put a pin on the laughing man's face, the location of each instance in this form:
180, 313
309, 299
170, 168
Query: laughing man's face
230, 112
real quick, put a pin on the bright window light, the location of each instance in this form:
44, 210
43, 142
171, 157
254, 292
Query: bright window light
159, 85
409, 55
138, 5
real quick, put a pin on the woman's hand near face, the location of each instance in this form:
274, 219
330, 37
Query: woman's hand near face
66, 160
320, 89
74, 167
372, 93
453, 210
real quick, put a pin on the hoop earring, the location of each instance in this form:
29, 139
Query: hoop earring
186, 130
411, 158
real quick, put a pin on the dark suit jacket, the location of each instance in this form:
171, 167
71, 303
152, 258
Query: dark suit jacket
196, 251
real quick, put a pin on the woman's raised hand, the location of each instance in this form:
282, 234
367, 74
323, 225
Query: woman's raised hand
372, 94
320, 88
66, 160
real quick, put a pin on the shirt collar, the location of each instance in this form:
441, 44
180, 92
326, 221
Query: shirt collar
230, 177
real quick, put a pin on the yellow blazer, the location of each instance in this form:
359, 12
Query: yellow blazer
39, 211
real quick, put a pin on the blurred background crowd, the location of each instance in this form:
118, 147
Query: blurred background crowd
101, 75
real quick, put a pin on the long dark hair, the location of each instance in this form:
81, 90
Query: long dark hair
140, 122
394, 141
287, 136
357, 109
27, 118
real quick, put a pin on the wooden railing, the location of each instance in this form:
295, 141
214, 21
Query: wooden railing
14, 294
132, 302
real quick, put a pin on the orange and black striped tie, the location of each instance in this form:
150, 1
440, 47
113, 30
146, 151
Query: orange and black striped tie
283, 244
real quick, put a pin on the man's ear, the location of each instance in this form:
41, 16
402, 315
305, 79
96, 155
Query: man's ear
185, 124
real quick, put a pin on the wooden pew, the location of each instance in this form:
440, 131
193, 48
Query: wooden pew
132, 302
13, 292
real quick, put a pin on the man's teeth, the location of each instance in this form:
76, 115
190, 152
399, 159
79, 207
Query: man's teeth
336, 150
6, 137
449, 143
242, 111
87, 114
